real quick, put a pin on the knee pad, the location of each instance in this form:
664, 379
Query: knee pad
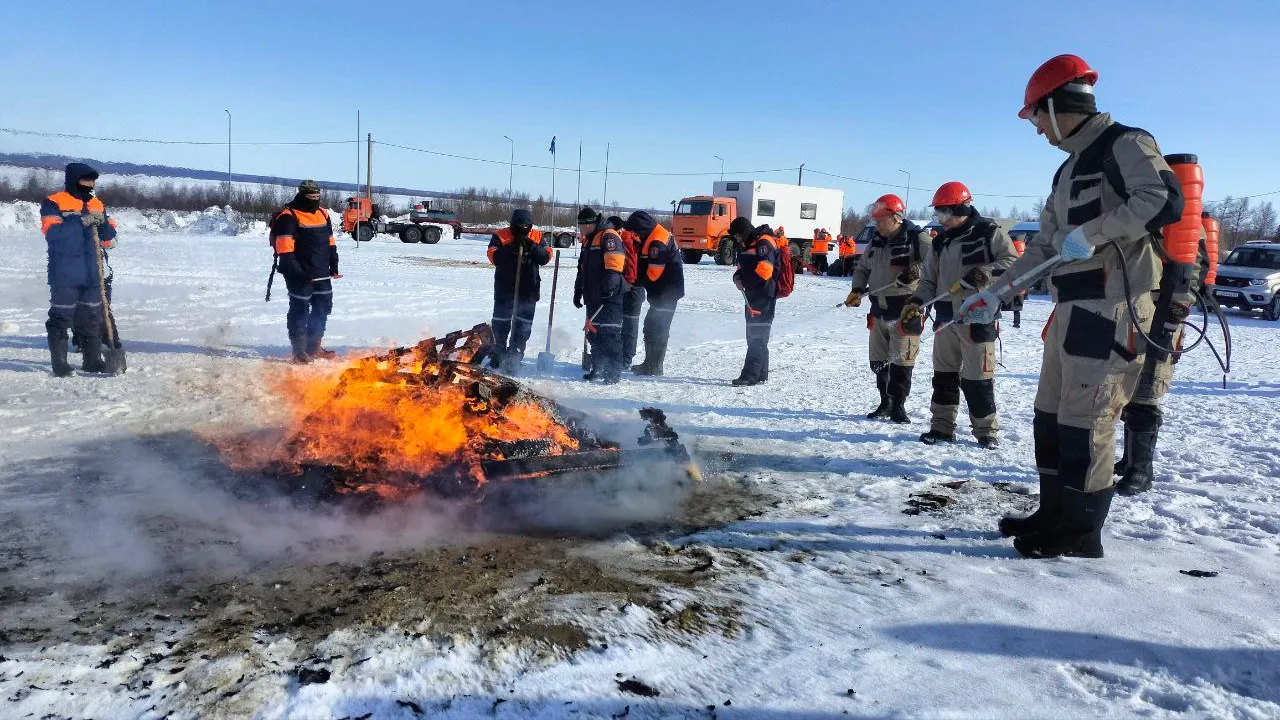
946, 388
981, 396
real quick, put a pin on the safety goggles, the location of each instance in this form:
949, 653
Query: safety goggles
880, 211
943, 213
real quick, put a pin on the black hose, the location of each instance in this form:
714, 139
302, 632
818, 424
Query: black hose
1133, 310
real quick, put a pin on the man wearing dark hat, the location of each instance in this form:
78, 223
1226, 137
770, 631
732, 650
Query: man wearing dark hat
756, 279
660, 270
516, 253
601, 286
302, 236
68, 220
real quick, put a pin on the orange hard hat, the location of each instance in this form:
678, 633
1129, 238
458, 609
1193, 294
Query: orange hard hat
951, 193
887, 205
1053, 74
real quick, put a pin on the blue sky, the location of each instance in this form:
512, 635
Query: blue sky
858, 89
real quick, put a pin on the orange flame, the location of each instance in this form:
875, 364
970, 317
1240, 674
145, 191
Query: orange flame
382, 424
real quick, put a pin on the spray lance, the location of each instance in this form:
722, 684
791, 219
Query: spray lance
1007, 285
877, 291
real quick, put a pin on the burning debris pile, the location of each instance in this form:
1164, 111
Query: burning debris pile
430, 418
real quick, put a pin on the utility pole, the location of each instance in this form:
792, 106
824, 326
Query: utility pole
511, 164
721, 165
800, 180
907, 201
357, 183
368, 169
228, 112
553, 184
604, 202
577, 200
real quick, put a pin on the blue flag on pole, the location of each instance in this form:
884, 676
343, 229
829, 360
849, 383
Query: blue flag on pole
553, 145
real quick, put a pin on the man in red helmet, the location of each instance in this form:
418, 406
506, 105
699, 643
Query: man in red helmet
1109, 197
890, 269
968, 251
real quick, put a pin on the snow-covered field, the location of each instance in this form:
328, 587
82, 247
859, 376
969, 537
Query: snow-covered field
133, 584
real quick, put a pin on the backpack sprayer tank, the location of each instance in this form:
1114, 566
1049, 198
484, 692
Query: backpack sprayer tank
1181, 247
1212, 231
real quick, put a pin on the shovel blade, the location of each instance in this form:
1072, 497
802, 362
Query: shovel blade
113, 361
546, 362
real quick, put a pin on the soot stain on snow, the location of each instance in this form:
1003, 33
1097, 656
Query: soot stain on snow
152, 550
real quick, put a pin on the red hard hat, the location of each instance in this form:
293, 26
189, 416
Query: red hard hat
1053, 74
887, 205
951, 193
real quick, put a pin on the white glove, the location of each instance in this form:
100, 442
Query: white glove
980, 309
1075, 246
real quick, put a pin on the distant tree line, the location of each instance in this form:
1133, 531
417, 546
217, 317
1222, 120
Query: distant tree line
1243, 221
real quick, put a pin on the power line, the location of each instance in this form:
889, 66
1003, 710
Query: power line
905, 187
532, 166
437, 153
150, 141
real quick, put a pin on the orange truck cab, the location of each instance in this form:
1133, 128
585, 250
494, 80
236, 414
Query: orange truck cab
700, 225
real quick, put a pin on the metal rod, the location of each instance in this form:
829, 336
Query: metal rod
800, 180
511, 164
604, 202
721, 165
577, 200
228, 112
368, 188
555, 281
907, 200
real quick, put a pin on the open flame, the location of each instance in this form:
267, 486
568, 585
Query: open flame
382, 424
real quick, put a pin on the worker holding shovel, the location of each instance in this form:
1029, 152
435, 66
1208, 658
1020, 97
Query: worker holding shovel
516, 253
77, 229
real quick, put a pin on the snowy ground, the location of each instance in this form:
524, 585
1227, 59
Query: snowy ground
134, 584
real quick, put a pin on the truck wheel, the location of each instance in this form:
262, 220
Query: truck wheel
364, 232
411, 235
431, 235
691, 257
724, 252
1272, 310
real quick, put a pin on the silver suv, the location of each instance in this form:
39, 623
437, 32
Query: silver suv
1249, 279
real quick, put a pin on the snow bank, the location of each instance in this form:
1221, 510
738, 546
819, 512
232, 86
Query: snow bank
22, 215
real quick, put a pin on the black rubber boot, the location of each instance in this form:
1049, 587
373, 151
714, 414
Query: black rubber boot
933, 437
1139, 474
646, 366
1080, 532
882, 385
91, 352
1045, 518
899, 388
898, 411
299, 346
58, 353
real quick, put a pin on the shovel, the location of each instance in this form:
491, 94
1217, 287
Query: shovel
112, 357
547, 361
